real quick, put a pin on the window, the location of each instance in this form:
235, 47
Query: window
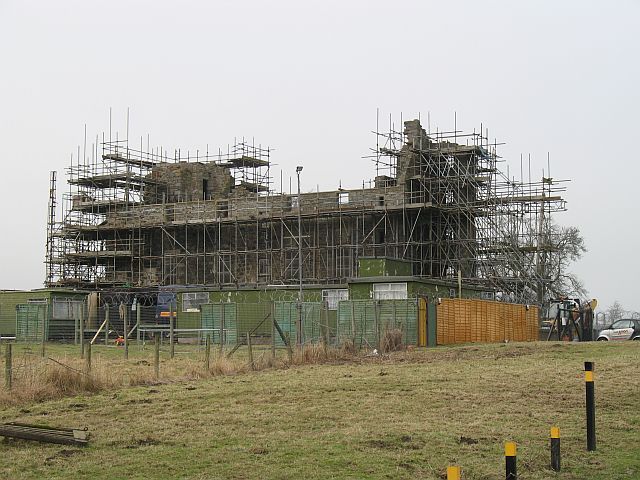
343, 198
390, 291
332, 297
623, 324
66, 308
191, 301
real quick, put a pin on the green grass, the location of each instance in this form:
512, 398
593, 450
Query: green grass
407, 416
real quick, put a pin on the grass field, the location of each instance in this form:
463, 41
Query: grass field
404, 416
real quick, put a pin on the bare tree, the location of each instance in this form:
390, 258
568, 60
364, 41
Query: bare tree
615, 312
561, 246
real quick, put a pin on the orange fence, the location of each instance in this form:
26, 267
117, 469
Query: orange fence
466, 321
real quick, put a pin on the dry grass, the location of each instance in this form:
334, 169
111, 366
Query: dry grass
37, 379
392, 340
403, 415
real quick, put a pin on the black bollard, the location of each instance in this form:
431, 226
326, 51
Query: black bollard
591, 406
555, 449
510, 460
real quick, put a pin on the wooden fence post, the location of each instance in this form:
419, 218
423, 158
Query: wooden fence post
126, 332
222, 336
171, 337
273, 331
251, 365
81, 339
156, 356
44, 332
138, 318
7, 368
106, 324
87, 358
207, 352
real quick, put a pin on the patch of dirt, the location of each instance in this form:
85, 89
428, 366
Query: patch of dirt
65, 453
467, 441
135, 401
143, 442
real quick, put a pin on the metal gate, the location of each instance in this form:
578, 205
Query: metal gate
222, 319
32, 322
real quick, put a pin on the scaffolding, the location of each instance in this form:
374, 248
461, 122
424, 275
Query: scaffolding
136, 218
483, 226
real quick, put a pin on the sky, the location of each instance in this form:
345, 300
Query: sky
307, 78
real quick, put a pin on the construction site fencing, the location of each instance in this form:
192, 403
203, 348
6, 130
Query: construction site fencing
312, 316
32, 322
230, 322
222, 320
365, 322
466, 321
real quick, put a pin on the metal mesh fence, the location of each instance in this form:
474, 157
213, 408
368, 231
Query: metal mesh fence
365, 322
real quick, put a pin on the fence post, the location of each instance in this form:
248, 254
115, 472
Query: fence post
171, 339
87, 358
325, 311
207, 352
222, 330
138, 318
106, 324
44, 331
289, 349
591, 406
7, 367
510, 460
251, 365
273, 331
156, 356
126, 332
82, 331
555, 449
353, 323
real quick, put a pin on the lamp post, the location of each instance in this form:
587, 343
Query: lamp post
300, 298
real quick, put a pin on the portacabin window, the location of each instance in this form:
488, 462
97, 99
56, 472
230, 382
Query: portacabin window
333, 296
192, 301
390, 291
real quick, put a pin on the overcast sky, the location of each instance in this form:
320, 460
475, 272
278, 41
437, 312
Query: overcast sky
306, 78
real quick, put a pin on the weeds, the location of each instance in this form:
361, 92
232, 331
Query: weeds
36, 379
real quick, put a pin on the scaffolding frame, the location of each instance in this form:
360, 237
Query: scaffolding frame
441, 204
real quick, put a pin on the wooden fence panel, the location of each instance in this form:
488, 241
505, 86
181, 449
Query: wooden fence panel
468, 320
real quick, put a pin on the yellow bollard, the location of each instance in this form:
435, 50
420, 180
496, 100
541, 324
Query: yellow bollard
453, 472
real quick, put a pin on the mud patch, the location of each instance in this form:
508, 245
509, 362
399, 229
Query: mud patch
61, 455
